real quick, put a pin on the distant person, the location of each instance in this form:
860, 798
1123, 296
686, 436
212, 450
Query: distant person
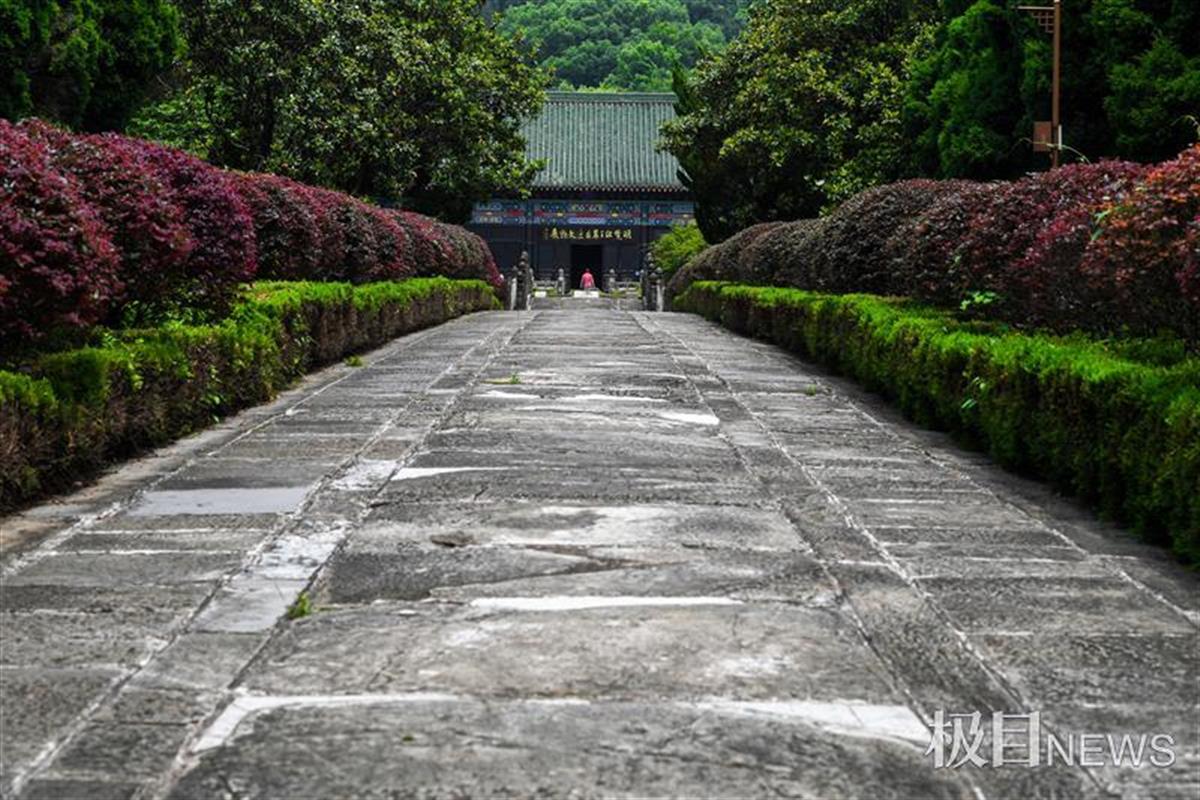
588, 283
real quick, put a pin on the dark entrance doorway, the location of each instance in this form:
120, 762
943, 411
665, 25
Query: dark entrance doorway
585, 257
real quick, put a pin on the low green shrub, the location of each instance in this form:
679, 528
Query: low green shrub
677, 247
65, 414
1116, 423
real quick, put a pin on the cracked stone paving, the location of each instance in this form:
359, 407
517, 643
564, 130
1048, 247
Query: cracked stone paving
577, 552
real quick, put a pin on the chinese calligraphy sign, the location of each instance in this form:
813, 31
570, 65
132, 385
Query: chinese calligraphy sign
587, 234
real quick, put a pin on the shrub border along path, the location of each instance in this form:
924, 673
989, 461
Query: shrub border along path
1120, 433
72, 412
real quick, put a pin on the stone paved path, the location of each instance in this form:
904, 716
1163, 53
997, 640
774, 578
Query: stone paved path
576, 553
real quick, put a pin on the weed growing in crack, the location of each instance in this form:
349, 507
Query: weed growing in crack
301, 608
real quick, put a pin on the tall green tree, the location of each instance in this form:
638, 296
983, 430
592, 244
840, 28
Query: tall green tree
800, 111
716, 183
962, 105
245, 60
1131, 76
644, 66
84, 63
403, 99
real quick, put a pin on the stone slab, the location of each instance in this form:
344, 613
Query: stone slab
603, 647
38, 705
531, 749
574, 524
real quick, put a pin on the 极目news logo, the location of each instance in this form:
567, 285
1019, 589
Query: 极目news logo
1009, 740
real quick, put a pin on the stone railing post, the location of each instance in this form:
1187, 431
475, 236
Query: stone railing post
514, 278
648, 270
660, 290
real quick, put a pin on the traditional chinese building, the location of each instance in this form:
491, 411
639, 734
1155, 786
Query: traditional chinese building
604, 194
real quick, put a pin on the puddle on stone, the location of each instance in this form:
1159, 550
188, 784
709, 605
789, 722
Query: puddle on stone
269, 500
847, 718
573, 603
225, 725
497, 394
892, 722
576, 525
412, 473
610, 398
617, 514
366, 474
693, 418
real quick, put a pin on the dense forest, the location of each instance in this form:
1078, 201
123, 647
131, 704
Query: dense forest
787, 107
819, 99
620, 44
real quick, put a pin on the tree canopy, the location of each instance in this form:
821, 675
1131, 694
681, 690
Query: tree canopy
389, 98
799, 111
786, 107
1131, 76
621, 44
85, 63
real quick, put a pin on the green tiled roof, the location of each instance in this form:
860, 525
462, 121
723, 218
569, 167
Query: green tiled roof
602, 141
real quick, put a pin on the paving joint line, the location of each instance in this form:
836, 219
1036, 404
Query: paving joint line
186, 756
44, 760
49, 545
889, 562
1192, 618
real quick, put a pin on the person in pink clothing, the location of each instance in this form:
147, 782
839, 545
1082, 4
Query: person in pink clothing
587, 283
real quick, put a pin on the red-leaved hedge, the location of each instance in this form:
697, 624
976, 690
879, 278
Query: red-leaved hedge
286, 227
858, 231
723, 262
143, 217
995, 254
58, 265
110, 229
224, 252
1111, 248
1145, 252
448, 250
924, 252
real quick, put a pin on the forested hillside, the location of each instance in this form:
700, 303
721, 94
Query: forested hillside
621, 44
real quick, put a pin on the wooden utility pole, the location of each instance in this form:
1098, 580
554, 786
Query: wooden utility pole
1049, 19
1055, 119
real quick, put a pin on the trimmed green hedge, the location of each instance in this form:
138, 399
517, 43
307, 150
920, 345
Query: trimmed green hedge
68, 413
1116, 423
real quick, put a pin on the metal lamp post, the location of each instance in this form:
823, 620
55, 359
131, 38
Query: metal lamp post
1049, 19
